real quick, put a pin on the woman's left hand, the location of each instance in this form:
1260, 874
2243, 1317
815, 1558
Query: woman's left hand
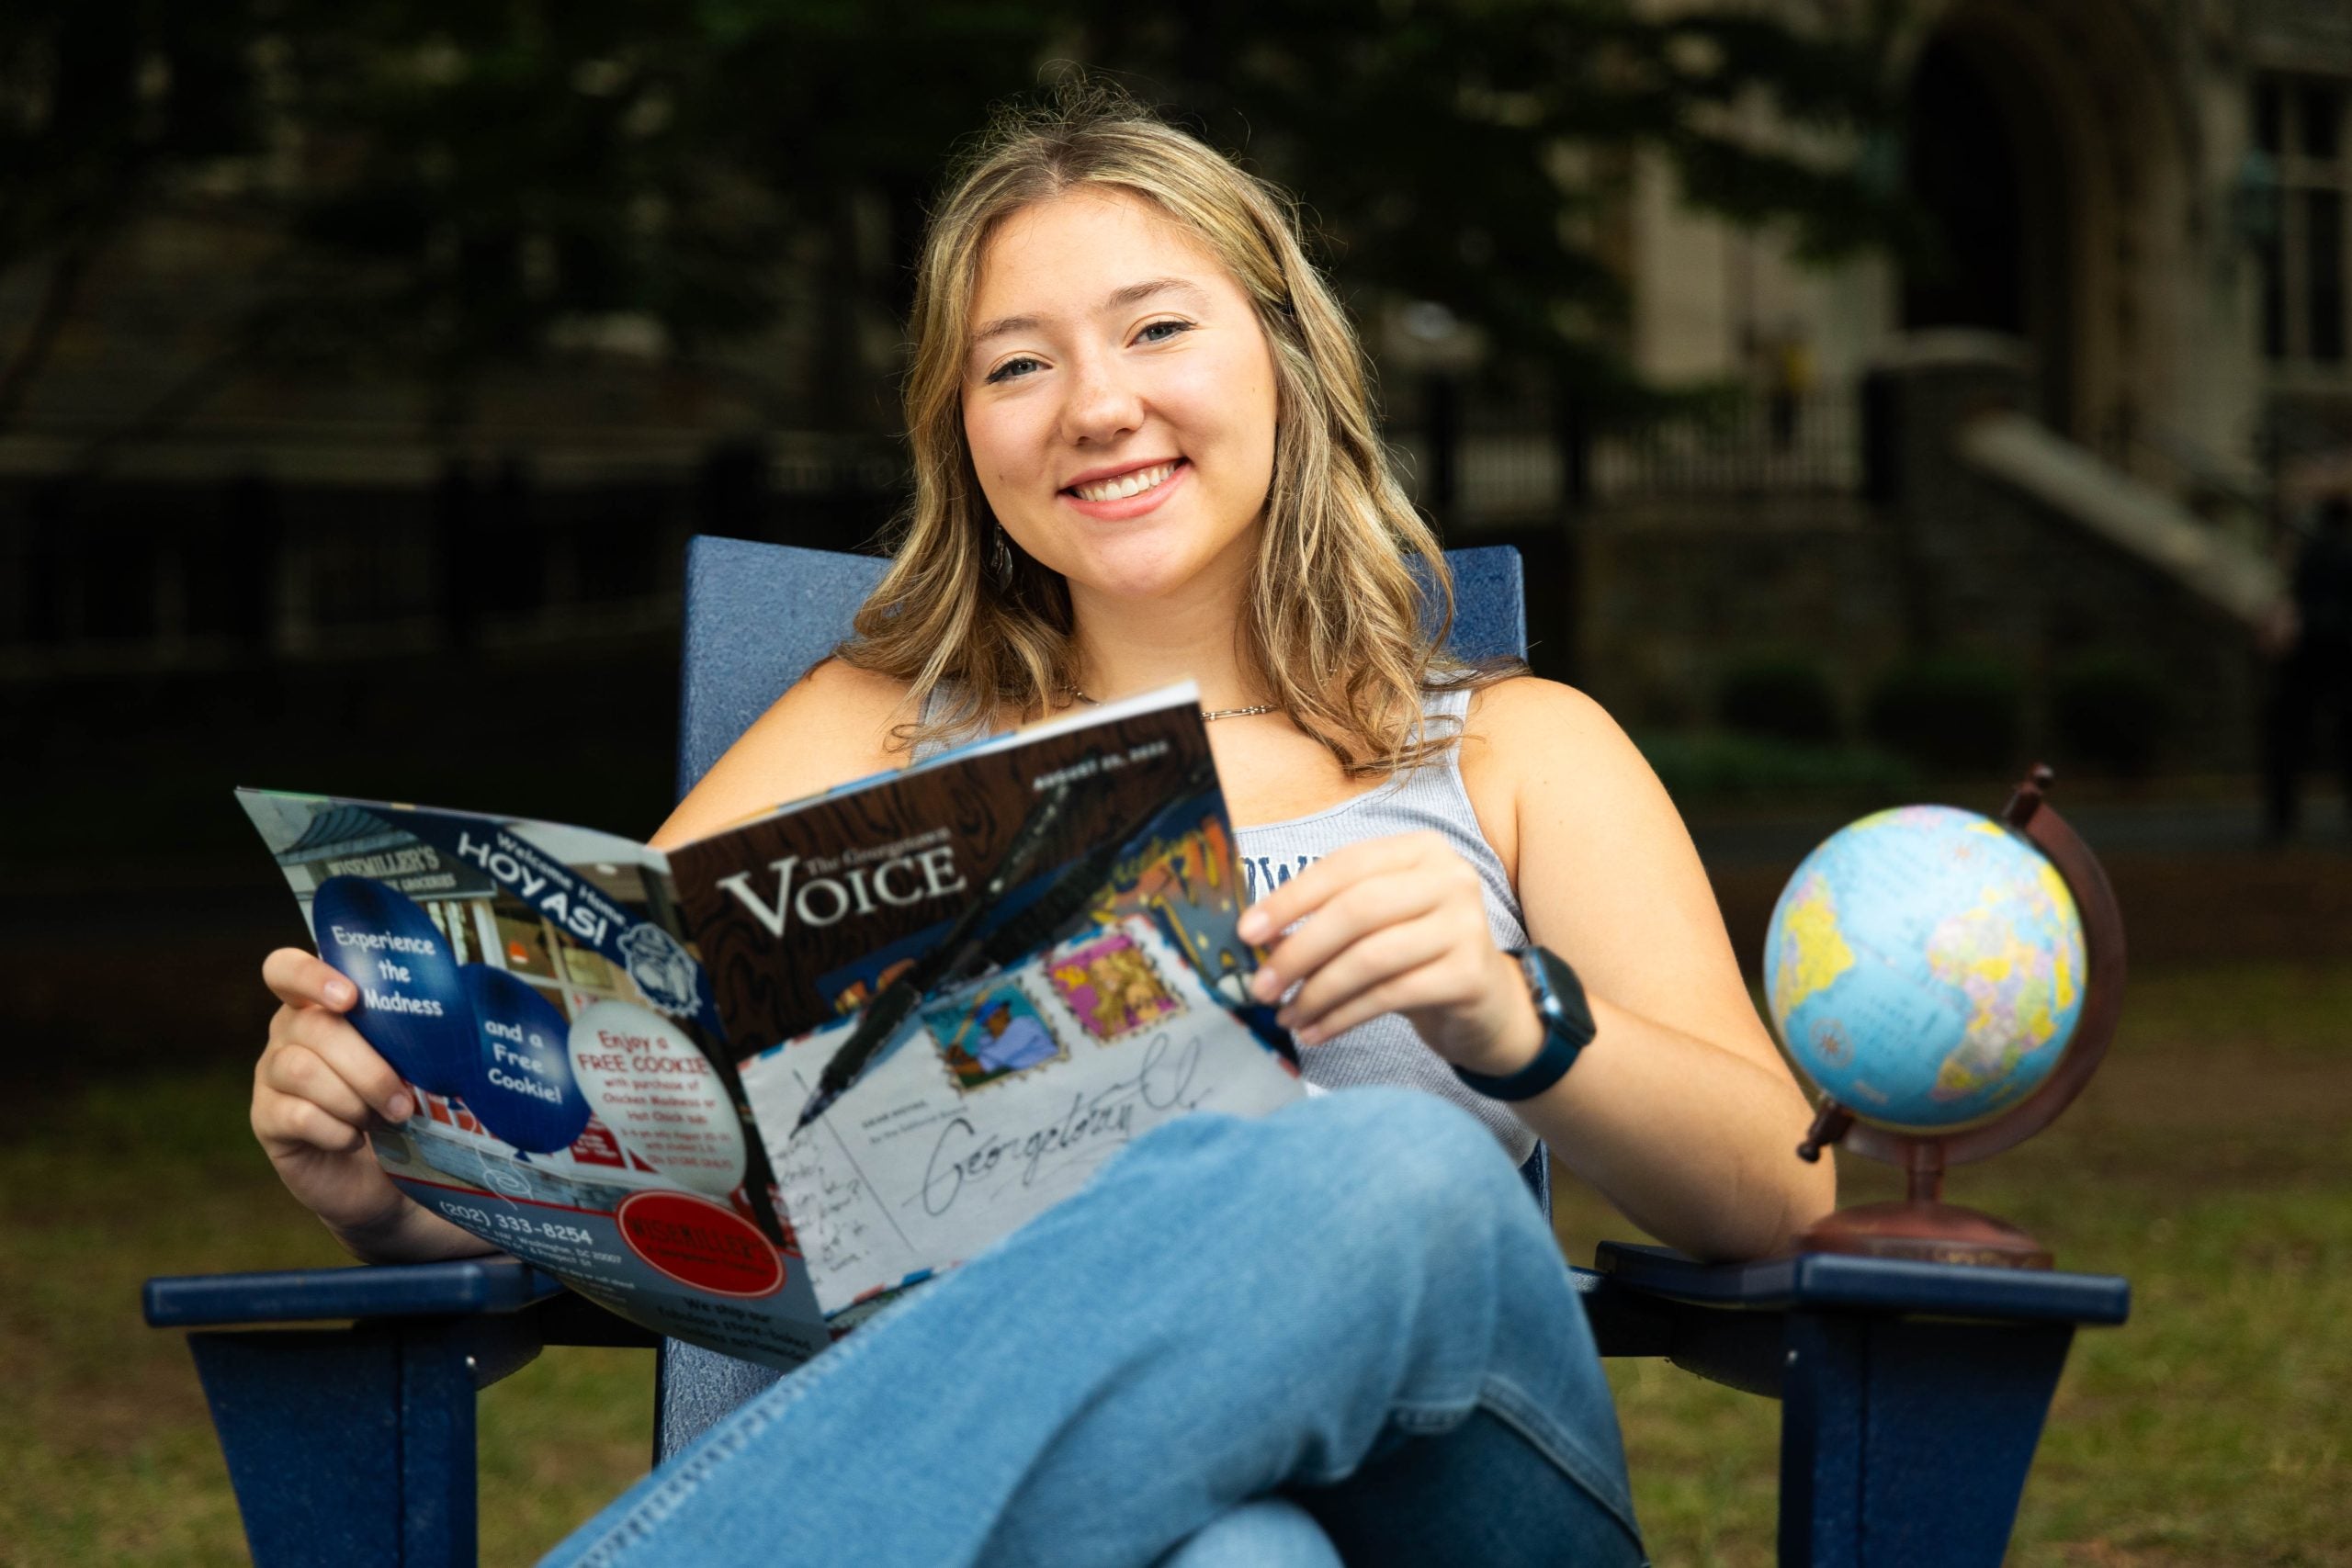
1394, 925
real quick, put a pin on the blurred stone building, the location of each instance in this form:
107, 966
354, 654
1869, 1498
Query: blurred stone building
2143, 206
2079, 436
2149, 194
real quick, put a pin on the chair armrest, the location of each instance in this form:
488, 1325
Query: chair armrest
1729, 1322
462, 1287
345, 1399
1827, 1281
1884, 1368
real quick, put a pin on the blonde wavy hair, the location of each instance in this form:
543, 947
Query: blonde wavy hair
1333, 625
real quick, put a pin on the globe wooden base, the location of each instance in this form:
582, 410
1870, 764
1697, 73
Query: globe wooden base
1926, 1232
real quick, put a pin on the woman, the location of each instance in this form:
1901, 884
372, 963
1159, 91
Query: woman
1145, 452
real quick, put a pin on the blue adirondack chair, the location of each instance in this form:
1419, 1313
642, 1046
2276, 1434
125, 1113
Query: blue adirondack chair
1912, 1395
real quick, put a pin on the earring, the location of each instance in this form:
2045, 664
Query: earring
1000, 558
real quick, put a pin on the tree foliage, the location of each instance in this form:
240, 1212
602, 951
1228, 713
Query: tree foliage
460, 186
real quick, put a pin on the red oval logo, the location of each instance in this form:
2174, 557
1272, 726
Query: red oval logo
699, 1242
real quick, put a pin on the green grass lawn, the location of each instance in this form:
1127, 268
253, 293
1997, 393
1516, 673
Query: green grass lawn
2209, 1162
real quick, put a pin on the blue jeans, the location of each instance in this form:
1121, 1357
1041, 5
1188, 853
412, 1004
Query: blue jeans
1340, 1332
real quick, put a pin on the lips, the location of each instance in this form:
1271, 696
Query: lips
1120, 494
1117, 484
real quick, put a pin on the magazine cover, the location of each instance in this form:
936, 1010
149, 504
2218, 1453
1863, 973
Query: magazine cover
530, 982
744, 1092
958, 990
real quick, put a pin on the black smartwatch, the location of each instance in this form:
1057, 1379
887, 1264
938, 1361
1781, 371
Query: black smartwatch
1567, 1027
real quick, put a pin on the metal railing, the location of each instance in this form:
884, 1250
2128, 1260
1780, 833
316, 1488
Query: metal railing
1511, 463
165, 579
131, 577
1747, 444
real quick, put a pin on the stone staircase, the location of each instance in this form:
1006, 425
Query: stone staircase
2067, 481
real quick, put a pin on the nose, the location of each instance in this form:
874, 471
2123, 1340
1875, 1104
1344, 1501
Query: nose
1101, 404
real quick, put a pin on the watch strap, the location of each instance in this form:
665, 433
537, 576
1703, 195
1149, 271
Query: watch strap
1568, 1028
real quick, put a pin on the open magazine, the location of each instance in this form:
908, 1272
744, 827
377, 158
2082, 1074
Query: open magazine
743, 1091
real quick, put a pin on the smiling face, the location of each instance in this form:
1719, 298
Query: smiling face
1119, 399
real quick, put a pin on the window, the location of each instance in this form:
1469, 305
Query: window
2322, 120
2323, 275
2306, 264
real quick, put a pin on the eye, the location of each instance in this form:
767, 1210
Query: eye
1162, 332
1012, 369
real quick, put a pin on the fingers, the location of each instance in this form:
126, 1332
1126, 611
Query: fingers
282, 1120
1404, 993
304, 979
1397, 924
1306, 892
318, 1055
302, 1073
1370, 977
1344, 919
1350, 893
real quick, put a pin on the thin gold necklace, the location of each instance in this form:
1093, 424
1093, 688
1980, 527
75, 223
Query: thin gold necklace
1208, 715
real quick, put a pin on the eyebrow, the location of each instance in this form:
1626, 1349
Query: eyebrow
1134, 293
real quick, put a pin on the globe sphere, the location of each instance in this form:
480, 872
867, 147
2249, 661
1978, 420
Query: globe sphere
1924, 967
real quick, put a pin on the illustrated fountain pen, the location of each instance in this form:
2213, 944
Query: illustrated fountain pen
960, 954
944, 964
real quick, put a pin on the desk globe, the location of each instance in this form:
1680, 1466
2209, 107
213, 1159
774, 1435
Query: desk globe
1948, 983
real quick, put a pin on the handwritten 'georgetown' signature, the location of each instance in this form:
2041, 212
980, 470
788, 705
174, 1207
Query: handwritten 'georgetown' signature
963, 1156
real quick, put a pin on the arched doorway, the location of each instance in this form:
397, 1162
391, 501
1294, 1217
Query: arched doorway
1982, 166
2052, 152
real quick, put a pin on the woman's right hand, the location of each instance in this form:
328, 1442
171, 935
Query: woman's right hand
318, 1088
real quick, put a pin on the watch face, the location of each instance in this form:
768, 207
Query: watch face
1559, 995
1567, 1029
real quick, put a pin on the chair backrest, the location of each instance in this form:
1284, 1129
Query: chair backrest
758, 616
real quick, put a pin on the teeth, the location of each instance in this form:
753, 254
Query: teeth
1124, 485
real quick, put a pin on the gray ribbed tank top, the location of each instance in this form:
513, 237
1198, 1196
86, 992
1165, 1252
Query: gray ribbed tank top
1386, 1050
